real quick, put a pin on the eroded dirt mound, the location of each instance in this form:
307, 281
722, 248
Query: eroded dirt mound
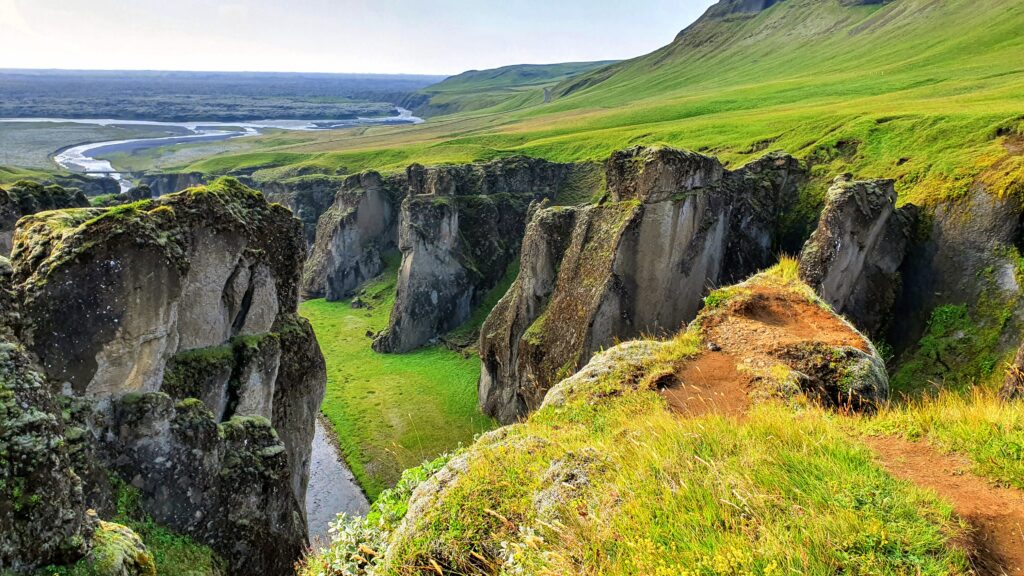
770, 337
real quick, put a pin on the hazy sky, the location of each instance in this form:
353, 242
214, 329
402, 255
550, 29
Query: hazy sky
387, 36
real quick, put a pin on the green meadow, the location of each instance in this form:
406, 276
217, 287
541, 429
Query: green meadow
391, 412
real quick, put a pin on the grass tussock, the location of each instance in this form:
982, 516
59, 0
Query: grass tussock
611, 482
976, 424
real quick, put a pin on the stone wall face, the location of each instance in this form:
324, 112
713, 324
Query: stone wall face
676, 225
172, 325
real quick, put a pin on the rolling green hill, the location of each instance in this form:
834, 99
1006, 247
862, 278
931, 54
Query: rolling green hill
929, 93
507, 87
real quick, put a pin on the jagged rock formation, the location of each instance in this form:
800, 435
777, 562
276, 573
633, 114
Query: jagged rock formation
853, 259
677, 224
603, 436
25, 198
308, 197
171, 326
460, 227
171, 182
351, 236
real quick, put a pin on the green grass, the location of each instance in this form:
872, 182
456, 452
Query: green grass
923, 92
777, 492
976, 424
172, 553
391, 412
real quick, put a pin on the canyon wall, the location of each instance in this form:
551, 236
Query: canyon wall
170, 328
675, 225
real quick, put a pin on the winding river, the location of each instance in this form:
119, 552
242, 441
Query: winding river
84, 157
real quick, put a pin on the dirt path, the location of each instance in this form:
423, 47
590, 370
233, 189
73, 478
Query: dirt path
710, 384
997, 514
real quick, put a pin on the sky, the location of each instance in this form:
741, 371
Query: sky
364, 36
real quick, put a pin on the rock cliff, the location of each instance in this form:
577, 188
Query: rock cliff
676, 224
308, 197
171, 182
24, 198
351, 235
170, 325
606, 444
460, 227
854, 257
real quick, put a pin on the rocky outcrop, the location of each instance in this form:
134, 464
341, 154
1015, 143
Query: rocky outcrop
42, 508
308, 197
171, 182
1013, 381
965, 255
603, 435
173, 321
352, 235
460, 227
677, 224
24, 198
854, 257
725, 8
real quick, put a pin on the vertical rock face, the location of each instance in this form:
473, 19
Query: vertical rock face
853, 259
966, 258
43, 516
677, 225
308, 197
351, 236
24, 198
460, 227
169, 183
174, 322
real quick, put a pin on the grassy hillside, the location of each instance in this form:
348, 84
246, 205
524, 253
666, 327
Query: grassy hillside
925, 92
612, 477
508, 87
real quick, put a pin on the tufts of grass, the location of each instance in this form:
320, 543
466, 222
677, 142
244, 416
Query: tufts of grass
976, 424
391, 412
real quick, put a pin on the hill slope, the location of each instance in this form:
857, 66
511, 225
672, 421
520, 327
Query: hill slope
508, 86
921, 91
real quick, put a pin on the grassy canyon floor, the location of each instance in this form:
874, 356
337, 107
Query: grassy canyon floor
391, 412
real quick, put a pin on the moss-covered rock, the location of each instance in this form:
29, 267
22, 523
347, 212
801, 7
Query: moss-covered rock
170, 326
24, 198
675, 224
118, 551
460, 229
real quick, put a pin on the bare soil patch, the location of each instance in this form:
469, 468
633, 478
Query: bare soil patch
756, 330
997, 514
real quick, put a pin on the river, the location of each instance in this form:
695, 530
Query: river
332, 488
83, 158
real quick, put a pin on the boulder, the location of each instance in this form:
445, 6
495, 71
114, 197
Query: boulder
676, 224
853, 258
171, 327
459, 229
